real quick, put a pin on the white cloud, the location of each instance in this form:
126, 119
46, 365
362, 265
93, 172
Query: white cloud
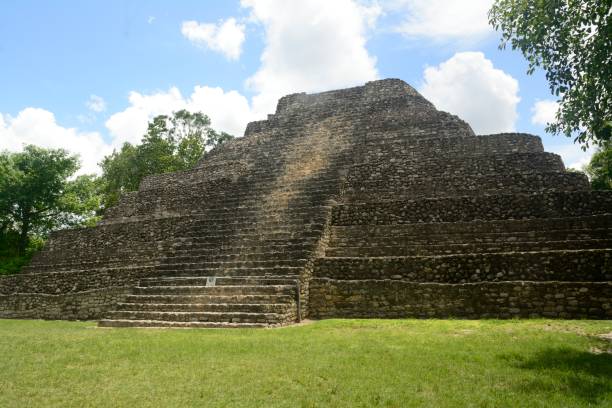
544, 112
96, 103
444, 20
226, 37
310, 46
228, 111
39, 127
469, 86
130, 124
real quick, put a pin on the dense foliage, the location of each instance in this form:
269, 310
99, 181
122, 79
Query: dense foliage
11, 261
171, 143
572, 41
599, 168
37, 196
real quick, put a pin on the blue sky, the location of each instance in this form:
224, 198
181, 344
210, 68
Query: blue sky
87, 76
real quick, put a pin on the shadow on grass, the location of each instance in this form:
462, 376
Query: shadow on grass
583, 375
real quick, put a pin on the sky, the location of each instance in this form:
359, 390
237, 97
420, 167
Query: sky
88, 76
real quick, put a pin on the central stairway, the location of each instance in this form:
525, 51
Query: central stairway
245, 256
194, 301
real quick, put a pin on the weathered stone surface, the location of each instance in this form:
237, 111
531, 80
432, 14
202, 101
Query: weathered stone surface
389, 298
363, 202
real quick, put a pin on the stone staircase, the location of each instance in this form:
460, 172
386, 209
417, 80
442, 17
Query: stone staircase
363, 202
194, 301
245, 257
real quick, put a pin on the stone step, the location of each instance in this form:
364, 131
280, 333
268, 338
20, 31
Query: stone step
564, 265
244, 243
187, 203
277, 216
270, 265
262, 214
280, 308
498, 231
195, 270
238, 234
215, 317
240, 213
281, 183
494, 238
191, 257
78, 280
416, 122
469, 248
228, 196
251, 180
254, 260
478, 208
192, 325
495, 164
296, 258
214, 240
403, 141
266, 225
216, 290
255, 186
80, 264
533, 225
210, 299
357, 189
229, 251
220, 280
260, 210
399, 143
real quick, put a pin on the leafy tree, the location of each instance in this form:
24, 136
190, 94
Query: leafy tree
36, 195
572, 41
10, 259
120, 172
599, 168
172, 143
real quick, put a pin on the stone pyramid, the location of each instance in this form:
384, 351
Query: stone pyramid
361, 202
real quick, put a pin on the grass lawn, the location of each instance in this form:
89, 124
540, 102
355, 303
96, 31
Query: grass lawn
336, 363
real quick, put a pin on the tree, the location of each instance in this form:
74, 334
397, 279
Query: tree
171, 143
599, 168
36, 195
572, 41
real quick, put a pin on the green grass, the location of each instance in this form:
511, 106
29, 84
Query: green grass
335, 363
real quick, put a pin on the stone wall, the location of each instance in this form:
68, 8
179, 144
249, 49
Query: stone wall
457, 209
401, 299
592, 266
88, 305
129, 243
413, 142
77, 295
362, 185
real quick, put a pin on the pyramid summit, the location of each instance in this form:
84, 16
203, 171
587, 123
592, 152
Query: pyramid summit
360, 202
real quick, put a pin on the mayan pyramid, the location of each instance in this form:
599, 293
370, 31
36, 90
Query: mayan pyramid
361, 202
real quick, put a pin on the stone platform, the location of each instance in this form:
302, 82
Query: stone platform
362, 202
